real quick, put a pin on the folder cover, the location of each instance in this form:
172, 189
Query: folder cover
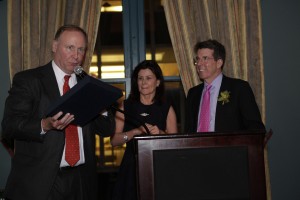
86, 100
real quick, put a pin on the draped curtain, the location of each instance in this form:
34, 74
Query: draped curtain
32, 25
234, 23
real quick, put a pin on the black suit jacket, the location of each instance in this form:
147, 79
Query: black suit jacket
240, 113
37, 157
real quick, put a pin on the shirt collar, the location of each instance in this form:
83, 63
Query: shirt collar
216, 82
59, 74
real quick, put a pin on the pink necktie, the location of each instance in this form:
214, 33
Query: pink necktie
204, 119
72, 142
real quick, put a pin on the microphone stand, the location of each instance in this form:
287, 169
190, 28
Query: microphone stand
126, 114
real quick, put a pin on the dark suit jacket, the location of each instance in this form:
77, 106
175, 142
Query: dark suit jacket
37, 157
240, 113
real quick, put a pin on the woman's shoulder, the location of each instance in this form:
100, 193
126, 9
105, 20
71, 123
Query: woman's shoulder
164, 106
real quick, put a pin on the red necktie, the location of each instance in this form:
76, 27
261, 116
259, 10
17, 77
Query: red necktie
203, 124
72, 142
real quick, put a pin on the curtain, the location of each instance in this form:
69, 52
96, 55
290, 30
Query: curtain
234, 23
32, 25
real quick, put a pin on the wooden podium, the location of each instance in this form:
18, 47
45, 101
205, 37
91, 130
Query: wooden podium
202, 166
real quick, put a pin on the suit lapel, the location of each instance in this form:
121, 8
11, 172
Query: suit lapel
196, 103
49, 82
49, 87
219, 110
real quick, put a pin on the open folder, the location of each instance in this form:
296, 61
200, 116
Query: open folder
86, 100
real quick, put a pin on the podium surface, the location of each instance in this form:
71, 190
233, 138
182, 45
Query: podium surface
201, 166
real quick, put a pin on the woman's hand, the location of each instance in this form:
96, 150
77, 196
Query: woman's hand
154, 130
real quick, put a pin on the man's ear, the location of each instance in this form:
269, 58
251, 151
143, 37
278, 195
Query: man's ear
54, 45
219, 63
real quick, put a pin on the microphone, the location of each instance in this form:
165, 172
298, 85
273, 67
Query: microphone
78, 70
126, 114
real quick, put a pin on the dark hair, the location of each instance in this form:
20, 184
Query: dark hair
219, 49
154, 67
70, 27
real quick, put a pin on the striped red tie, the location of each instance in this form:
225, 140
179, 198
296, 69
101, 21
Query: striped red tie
72, 142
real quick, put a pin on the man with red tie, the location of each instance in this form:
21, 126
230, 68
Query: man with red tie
53, 159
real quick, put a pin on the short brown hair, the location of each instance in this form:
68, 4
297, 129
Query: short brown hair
219, 49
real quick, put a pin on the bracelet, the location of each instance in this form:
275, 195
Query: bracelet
125, 136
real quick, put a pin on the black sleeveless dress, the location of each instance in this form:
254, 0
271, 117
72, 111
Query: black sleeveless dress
156, 114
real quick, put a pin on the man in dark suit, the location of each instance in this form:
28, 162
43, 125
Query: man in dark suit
232, 104
40, 170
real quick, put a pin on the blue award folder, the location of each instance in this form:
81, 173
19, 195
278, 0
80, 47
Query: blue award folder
86, 100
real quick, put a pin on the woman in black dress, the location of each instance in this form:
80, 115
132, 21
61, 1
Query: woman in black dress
145, 104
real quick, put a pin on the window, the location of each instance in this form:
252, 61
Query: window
129, 32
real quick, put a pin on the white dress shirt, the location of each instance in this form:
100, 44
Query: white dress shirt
59, 74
